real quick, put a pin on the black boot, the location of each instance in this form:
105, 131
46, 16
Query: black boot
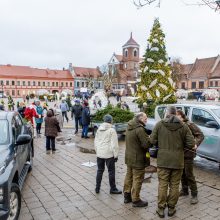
127, 198
115, 191
140, 203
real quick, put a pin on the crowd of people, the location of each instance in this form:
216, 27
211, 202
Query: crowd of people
175, 136
177, 140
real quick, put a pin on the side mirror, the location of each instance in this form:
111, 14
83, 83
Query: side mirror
212, 124
23, 139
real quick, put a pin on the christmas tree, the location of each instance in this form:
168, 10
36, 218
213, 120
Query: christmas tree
156, 85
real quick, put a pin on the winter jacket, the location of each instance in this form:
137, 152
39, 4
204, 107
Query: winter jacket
137, 144
85, 116
198, 136
21, 111
51, 126
77, 111
106, 142
64, 107
172, 136
39, 110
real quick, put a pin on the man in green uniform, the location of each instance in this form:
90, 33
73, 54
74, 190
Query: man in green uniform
188, 179
137, 144
171, 135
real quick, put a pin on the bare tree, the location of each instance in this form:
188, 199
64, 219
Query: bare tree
177, 69
215, 5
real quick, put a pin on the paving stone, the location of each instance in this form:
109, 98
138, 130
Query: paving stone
60, 188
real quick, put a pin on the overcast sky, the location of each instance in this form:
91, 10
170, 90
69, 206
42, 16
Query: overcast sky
53, 33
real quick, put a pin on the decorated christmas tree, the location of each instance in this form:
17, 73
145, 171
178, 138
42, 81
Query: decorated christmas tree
156, 85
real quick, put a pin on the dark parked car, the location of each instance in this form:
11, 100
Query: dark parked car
16, 153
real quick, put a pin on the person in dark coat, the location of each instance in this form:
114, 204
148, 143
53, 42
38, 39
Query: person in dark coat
77, 113
137, 144
21, 109
51, 131
85, 120
188, 178
172, 136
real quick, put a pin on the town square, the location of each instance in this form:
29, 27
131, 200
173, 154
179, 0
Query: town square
109, 110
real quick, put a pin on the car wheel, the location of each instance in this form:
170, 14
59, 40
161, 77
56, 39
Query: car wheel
30, 160
15, 202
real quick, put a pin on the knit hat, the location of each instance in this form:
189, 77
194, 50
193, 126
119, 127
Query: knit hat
108, 119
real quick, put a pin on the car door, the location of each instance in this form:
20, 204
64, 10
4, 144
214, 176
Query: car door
17, 149
210, 147
21, 130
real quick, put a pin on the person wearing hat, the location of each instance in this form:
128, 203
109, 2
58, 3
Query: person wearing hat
77, 112
106, 147
85, 119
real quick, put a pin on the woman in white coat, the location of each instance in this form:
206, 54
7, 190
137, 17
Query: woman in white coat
106, 147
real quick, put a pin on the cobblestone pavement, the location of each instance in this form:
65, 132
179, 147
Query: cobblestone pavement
59, 187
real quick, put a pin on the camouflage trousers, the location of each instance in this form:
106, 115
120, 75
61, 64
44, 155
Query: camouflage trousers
133, 182
188, 179
168, 178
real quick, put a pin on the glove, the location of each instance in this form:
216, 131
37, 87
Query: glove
115, 159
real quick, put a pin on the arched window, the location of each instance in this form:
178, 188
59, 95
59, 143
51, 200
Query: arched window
135, 52
126, 53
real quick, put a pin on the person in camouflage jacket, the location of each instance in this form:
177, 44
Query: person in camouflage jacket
188, 178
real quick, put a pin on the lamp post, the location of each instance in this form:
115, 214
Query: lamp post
2, 84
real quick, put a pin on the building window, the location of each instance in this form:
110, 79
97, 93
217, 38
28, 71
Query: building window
29, 83
18, 92
13, 92
23, 83
126, 53
62, 84
193, 85
43, 83
66, 84
183, 85
39, 84
53, 83
71, 84
77, 84
48, 83
135, 52
2, 82
34, 84
211, 84
57, 84
7, 83
201, 85
216, 83
12, 83
18, 83
82, 84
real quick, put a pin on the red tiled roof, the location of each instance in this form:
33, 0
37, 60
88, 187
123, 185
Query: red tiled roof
216, 72
29, 72
187, 68
202, 67
131, 41
119, 57
86, 72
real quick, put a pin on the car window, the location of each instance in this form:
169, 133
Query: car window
4, 133
18, 123
201, 117
187, 109
161, 111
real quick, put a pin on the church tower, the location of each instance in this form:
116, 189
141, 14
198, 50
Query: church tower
130, 52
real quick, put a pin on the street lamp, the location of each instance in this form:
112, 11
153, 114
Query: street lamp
2, 84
